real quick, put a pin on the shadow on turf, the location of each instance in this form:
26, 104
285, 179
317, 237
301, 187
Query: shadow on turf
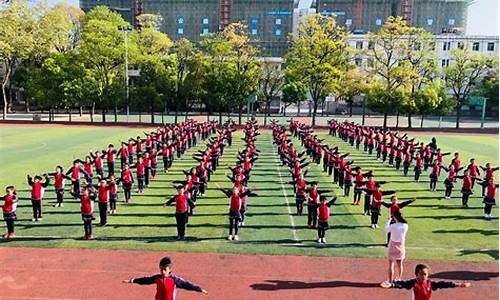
465, 275
480, 231
274, 285
455, 217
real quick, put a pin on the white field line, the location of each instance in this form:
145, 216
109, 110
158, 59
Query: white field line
284, 193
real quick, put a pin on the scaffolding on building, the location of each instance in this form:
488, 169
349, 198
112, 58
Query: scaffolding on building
225, 13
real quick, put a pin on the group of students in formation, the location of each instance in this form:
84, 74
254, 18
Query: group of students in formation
139, 154
396, 148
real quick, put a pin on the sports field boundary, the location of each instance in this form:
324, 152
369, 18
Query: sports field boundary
35, 273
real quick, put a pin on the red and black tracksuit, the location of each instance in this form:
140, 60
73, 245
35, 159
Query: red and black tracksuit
37, 190
489, 197
422, 290
9, 211
166, 286
87, 209
377, 203
323, 216
103, 199
181, 213
312, 207
127, 179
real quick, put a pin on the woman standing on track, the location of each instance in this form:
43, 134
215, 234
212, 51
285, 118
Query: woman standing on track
396, 249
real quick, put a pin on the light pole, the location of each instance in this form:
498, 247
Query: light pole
126, 30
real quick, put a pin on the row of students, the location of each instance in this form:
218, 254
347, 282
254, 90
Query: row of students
425, 156
318, 207
197, 179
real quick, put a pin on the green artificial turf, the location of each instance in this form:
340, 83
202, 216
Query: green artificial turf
439, 229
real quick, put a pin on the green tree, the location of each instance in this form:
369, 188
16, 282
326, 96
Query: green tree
17, 40
430, 98
353, 83
243, 58
102, 48
294, 92
389, 67
489, 90
270, 85
464, 73
318, 57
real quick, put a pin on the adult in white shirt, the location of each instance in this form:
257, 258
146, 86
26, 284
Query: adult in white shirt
396, 248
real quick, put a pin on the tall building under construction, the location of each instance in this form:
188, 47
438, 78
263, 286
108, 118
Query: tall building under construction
271, 21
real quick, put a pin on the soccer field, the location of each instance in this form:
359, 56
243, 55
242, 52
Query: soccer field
439, 229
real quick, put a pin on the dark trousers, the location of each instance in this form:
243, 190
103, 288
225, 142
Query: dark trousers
87, 224
357, 195
312, 215
111, 168
341, 179
165, 164
103, 212
112, 201
433, 182
130, 159
406, 166
367, 203
347, 189
9, 219
375, 213
449, 189
322, 228
37, 209
335, 175
487, 208
233, 225
299, 203
123, 161
418, 171
398, 163
99, 172
126, 191
60, 195
140, 182
75, 188
181, 220
146, 176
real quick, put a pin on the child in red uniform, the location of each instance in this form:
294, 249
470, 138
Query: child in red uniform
87, 198
489, 198
323, 215
181, 211
37, 190
59, 185
166, 282
421, 285
9, 210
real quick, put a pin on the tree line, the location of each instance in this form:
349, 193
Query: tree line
64, 59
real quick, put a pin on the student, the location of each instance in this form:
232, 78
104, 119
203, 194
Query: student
488, 174
244, 203
141, 171
166, 282
234, 210
396, 248
489, 198
87, 167
9, 210
423, 287
87, 198
312, 205
377, 203
113, 193
436, 171
37, 190
181, 211
473, 171
124, 156
99, 167
59, 185
450, 179
110, 158
76, 170
103, 199
127, 179
323, 215
467, 180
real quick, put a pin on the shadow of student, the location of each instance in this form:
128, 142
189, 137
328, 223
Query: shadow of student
465, 275
274, 285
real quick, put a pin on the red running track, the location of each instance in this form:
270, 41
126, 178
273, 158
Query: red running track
37, 273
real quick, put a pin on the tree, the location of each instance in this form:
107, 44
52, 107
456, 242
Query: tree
270, 85
389, 67
317, 57
353, 83
102, 48
464, 73
243, 58
17, 39
430, 98
422, 57
489, 90
294, 92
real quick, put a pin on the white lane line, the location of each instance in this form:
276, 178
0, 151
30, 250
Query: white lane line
284, 193
42, 145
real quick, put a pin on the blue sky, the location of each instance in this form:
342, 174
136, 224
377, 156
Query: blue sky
482, 15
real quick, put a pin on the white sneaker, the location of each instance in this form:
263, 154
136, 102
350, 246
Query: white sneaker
35, 219
320, 240
230, 237
61, 205
376, 225
486, 216
372, 226
235, 237
242, 223
323, 240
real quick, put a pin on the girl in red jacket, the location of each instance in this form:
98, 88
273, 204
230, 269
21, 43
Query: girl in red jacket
166, 282
87, 198
37, 191
181, 201
9, 210
489, 198
422, 287
59, 178
323, 215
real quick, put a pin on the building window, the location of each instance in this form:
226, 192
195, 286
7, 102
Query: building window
277, 32
359, 45
358, 61
460, 45
491, 46
278, 21
180, 31
205, 21
348, 22
445, 62
451, 22
205, 31
254, 21
475, 46
254, 31
378, 22
429, 22
446, 46
180, 20
370, 45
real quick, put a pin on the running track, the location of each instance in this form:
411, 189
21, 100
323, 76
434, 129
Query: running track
37, 273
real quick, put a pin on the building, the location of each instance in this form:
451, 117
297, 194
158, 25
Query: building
362, 16
269, 21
